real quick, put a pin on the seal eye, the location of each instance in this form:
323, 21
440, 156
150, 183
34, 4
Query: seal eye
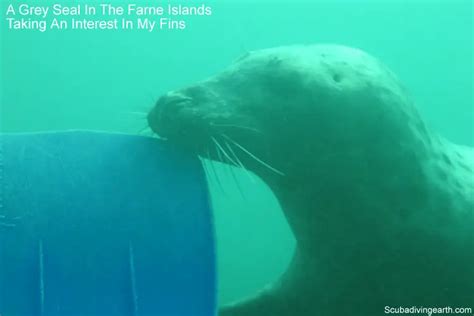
337, 78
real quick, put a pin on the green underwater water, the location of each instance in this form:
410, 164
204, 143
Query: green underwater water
100, 80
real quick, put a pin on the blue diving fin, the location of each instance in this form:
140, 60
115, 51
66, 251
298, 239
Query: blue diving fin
103, 224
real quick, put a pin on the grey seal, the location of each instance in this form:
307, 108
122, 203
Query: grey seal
380, 206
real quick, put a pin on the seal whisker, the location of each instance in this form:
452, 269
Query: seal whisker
220, 149
237, 184
229, 166
253, 156
238, 126
142, 130
241, 165
147, 131
216, 177
138, 113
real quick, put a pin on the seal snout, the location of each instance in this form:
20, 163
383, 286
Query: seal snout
179, 116
166, 111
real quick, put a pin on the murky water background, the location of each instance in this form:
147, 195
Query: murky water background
99, 80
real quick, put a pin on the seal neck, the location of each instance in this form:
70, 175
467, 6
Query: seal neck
331, 204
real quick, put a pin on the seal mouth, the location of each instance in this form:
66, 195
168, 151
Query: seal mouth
177, 117
198, 121
167, 108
